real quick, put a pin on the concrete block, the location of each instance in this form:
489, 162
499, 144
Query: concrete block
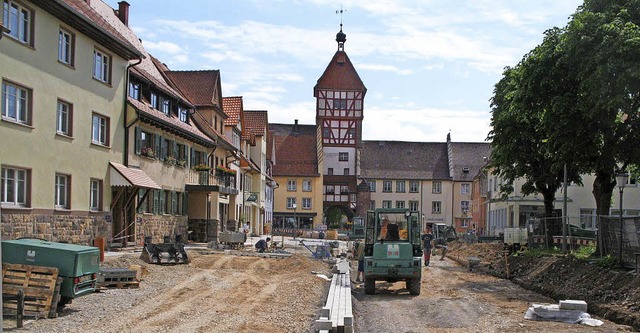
573, 305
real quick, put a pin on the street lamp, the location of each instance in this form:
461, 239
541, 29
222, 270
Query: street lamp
621, 180
295, 221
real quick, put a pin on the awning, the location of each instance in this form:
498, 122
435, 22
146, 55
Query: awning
124, 176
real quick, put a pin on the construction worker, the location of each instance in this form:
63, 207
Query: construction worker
360, 256
427, 245
263, 245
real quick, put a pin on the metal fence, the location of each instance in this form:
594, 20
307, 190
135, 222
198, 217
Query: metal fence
617, 237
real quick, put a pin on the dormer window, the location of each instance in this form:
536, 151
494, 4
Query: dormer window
182, 115
465, 169
166, 106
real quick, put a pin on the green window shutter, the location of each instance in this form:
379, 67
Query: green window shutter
174, 203
138, 141
156, 147
161, 203
175, 151
185, 203
156, 203
140, 195
193, 156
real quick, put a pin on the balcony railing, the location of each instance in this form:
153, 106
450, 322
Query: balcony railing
195, 177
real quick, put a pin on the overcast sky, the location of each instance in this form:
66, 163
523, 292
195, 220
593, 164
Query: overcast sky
429, 66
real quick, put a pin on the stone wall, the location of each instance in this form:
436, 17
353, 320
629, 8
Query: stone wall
56, 228
159, 226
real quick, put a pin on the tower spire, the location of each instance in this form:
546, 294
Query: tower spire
341, 37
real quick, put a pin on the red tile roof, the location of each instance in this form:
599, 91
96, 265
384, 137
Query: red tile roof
340, 75
198, 86
255, 123
184, 128
134, 177
232, 107
295, 150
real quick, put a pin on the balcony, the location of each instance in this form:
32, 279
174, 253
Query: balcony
206, 181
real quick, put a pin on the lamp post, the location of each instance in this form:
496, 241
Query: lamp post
621, 180
295, 221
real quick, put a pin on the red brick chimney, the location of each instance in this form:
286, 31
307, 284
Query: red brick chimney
123, 12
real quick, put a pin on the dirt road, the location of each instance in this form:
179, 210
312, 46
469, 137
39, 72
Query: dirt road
453, 299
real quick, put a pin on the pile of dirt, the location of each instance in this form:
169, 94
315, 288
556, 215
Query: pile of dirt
612, 294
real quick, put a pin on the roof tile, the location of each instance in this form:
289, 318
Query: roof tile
295, 150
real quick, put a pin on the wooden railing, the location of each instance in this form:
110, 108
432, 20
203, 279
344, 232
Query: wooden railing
195, 177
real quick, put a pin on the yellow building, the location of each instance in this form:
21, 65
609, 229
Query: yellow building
298, 200
60, 127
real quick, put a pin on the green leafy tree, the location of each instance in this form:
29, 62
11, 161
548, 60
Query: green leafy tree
521, 149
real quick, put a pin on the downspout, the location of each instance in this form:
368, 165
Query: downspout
126, 127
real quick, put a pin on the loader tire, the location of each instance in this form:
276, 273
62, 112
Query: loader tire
413, 285
369, 286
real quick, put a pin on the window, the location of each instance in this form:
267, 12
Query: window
372, 185
155, 101
166, 106
101, 66
344, 157
291, 202
134, 90
436, 187
340, 104
386, 186
414, 186
100, 130
15, 184
63, 118
344, 189
306, 185
95, 195
386, 203
19, 20
372, 205
413, 206
330, 171
346, 171
62, 191
306, 203
66, 47
292, 185
465, 188
16, 103
400, 204
182, 115
400, 188
588, 218
326, 132
464, 206
330, 189
436, 207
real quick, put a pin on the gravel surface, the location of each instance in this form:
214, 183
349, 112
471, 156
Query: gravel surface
214, 293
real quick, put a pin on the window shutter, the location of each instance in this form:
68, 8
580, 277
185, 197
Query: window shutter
163, 148
175, 151
193, 156
156, 148
156, 195
138, 142
185, 202
161, 203
140, 195
174, 203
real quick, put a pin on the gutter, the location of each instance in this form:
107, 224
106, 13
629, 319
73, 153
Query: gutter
124, 108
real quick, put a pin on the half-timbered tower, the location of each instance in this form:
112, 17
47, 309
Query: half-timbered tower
339, 97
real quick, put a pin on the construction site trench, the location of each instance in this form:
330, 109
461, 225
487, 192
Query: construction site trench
224, 292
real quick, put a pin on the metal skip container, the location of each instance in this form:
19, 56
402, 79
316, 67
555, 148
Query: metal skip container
78, 265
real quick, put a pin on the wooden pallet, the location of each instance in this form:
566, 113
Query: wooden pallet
38, 284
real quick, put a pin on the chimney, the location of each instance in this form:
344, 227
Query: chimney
295, 126
123, 12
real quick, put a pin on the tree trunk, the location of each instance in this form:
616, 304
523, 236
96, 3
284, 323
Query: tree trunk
603, 187
553, 224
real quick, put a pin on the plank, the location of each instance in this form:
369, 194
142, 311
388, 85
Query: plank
38, 284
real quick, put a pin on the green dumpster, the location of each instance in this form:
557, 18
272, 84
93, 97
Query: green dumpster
78, 265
